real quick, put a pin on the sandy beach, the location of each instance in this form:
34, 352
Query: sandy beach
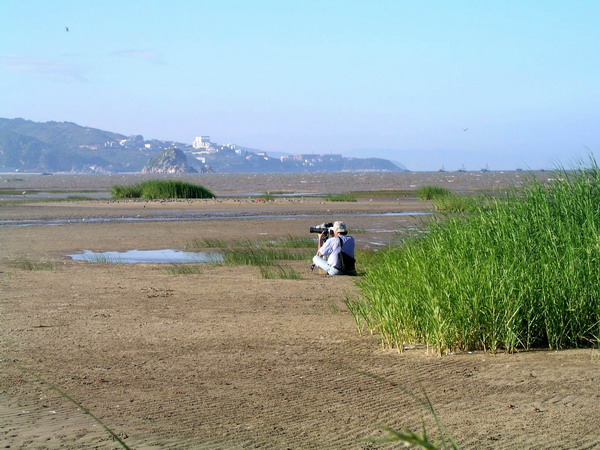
226, 359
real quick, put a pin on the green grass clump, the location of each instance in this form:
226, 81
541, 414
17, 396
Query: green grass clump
521, 273
429, 192
28, 264
161, 189
122, 191
341, 198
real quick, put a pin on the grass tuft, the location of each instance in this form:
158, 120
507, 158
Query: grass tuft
184, 269
28, 264
279, 272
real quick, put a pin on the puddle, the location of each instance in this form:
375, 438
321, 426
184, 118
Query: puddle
147, 256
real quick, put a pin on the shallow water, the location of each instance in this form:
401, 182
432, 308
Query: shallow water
185, 217
147, 256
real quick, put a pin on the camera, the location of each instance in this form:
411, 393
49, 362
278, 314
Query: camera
323, 228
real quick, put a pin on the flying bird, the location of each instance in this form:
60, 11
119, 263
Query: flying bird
67, 29
465, 129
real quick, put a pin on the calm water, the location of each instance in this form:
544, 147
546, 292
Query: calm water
148, 256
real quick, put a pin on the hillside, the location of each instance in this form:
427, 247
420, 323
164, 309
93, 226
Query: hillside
29, 146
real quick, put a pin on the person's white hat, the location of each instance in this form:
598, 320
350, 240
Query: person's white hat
340, 227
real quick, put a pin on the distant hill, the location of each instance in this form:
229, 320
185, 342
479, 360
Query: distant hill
67, 147
64, 135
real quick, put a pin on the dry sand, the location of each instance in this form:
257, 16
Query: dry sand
226, 359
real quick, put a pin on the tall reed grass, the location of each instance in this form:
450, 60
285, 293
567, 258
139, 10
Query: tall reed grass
521, 273
161, 189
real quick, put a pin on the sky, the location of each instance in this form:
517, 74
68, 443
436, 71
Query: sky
429, 84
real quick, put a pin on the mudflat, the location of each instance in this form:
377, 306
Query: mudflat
224, 358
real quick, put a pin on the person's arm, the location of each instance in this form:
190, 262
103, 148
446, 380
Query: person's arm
320, 244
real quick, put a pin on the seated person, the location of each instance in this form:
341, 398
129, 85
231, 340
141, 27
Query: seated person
328, 255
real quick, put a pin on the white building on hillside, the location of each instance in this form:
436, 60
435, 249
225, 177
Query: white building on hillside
202, 142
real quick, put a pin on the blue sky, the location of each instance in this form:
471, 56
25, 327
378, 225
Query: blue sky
401, 79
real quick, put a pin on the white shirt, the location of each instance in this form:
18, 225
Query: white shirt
331, 249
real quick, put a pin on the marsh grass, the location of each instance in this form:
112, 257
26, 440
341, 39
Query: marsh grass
385, 193
29, 264
292, 242
102, 258
184, 269
161, 189
265, 254
198, 244
454, 203
286, 242
521, 273
260, 256
340, 198
429, 192
279, 272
